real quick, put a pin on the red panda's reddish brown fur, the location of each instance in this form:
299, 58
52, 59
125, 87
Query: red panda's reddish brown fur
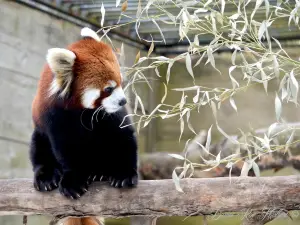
82, 221
87, 65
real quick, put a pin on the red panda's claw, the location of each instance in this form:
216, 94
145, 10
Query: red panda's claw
74, 186
45, 179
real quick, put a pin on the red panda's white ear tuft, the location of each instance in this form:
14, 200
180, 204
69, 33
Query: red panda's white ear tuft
87, 32
60, 58
61, 63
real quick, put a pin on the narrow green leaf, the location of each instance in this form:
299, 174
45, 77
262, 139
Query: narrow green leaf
118, 2
151, 48
181, 127
165, 95
102, 14
232, 102
137, 57
245, 169
189, 123
124, 6
278, 107
208, 138
176, 156
169, 71
176, 181
188, 63
222, 6
196, 97
255, 169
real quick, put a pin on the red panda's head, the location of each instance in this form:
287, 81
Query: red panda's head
89, 71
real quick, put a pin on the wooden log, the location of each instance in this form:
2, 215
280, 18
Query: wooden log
156, 198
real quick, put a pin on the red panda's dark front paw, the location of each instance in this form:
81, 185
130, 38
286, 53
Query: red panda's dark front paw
73, 185
46, 179
124, 181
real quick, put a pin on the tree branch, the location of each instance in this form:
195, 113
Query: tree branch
156, 198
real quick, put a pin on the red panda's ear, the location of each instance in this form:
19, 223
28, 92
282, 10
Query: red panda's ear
87, 32
61, 63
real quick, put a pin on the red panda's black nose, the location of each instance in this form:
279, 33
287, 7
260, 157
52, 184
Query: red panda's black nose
122, 102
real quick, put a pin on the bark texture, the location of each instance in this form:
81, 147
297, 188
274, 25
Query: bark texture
157, 198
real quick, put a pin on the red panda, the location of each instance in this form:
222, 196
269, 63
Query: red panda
77, 111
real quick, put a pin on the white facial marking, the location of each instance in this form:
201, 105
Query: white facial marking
87, 32
89, 97
111, 103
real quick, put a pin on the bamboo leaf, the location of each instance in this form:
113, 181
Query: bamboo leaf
222, 6
218, 157
188, 63
278, 107
271, 128
182, 101
157, 72
294, 86
141, 104
176, 156
232, 102
275, 66
199, 61
188, 121
245, 169
139, 9
289, 141
255, 169
151, 48
102, 14
169, 71
233, 81
211, 57
208, 139
137, 57
181, 127
196, 97
118, 2
160, 31
175, 178
165, 95
124, 6
267, 5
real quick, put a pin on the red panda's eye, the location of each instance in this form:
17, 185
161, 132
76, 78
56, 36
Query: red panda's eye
109, 90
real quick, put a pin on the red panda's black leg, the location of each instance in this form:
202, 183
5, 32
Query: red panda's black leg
45, 168
72, 147
74, 180
124, 173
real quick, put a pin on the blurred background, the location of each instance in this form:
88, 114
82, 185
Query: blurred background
29, 28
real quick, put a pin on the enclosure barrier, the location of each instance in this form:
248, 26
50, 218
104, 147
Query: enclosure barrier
156, 198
